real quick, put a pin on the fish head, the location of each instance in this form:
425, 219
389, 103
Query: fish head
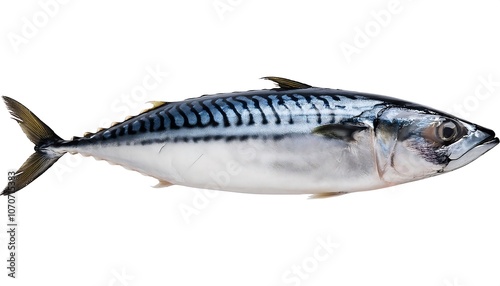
413, 144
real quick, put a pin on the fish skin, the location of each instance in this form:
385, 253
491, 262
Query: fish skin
238, 114
304, 140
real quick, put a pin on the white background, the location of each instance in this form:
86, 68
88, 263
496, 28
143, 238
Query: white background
85, 222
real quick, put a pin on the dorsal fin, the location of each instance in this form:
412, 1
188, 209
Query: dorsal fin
87, 134
287, 83
155, 104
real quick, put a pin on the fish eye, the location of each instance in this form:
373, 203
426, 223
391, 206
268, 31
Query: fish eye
447, 131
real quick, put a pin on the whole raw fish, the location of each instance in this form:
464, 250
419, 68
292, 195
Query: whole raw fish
294, 139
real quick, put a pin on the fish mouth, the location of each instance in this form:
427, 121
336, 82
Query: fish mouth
489, 144
475, 152
490, 141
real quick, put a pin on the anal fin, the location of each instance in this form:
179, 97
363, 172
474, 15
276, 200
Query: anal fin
163, 184
327, 195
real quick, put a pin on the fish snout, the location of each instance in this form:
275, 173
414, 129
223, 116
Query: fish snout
475, 145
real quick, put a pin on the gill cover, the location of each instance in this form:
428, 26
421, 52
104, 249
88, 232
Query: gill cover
405, 149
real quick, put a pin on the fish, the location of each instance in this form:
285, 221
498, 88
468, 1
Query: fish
290, 139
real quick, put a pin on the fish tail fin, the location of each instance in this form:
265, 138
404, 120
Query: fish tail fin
42, 136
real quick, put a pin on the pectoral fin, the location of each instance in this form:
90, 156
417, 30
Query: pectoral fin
343, 131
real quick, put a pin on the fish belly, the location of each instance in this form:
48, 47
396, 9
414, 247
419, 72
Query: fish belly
298, 164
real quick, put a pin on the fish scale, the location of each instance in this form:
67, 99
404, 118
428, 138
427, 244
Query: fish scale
294, 139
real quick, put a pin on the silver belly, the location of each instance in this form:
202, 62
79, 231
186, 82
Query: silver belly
299, 164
